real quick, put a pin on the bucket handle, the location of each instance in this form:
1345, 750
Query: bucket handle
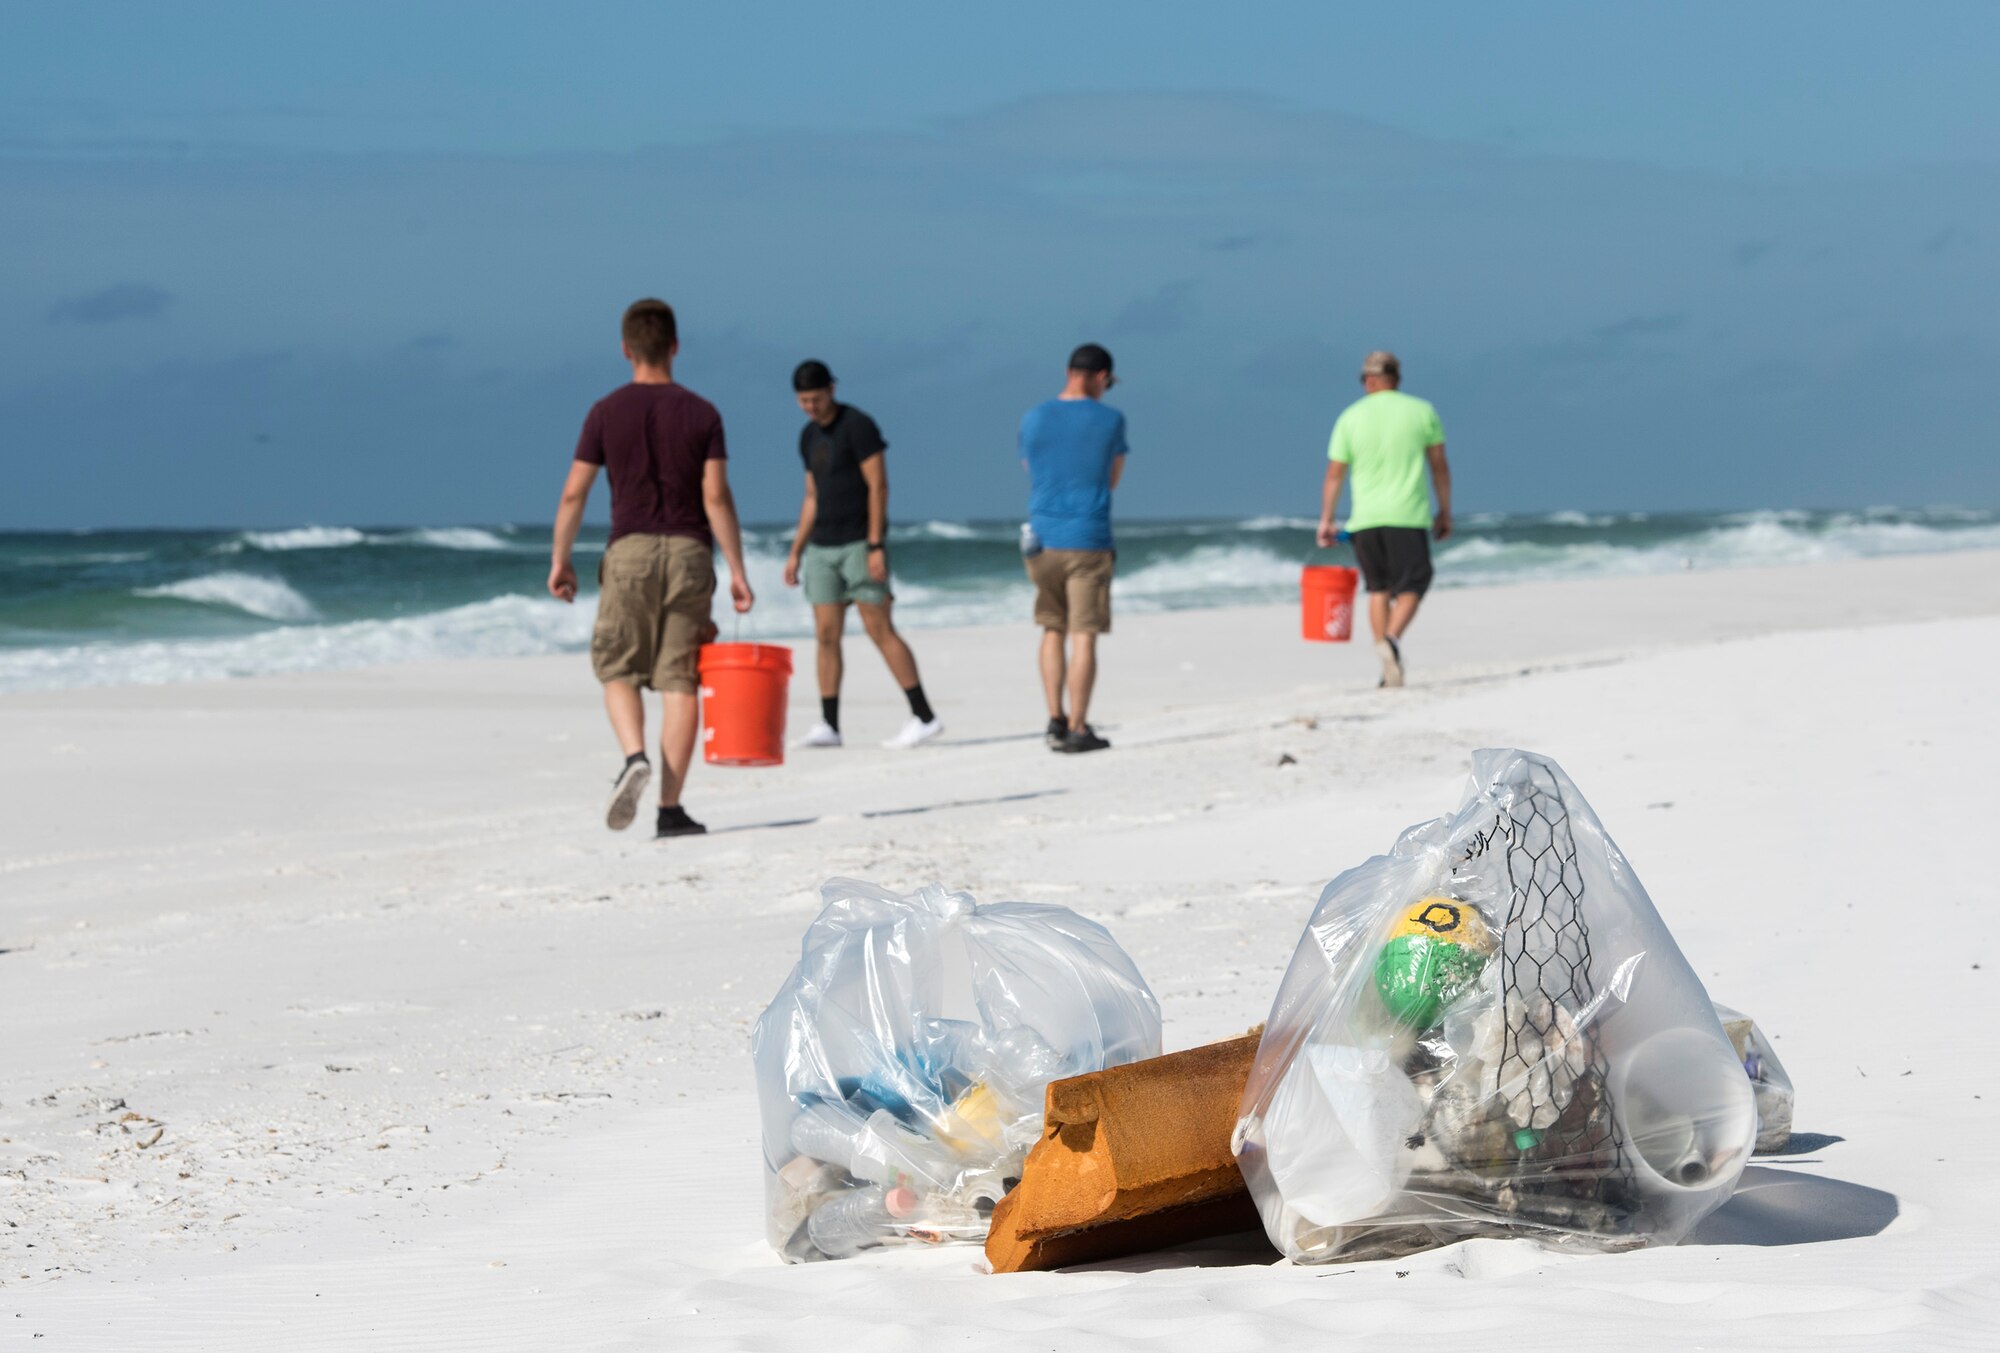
1340, 537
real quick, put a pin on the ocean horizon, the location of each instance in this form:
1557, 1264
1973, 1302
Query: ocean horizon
141, 606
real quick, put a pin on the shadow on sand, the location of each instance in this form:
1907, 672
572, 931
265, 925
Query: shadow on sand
1780, 1207
895, 812
1247, 1247
1769, 1208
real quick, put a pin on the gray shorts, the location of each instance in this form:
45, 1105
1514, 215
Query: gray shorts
834, 575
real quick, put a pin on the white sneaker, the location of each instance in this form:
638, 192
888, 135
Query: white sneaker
915, 734
823, 734
1392, 662
626, 791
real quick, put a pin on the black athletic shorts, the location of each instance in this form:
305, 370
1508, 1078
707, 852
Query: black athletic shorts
1394, 559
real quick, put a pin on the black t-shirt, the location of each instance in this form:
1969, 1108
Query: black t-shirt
833, 457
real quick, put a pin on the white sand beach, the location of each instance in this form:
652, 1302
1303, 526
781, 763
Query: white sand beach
337, 1020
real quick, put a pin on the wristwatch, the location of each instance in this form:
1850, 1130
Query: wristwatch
875, 545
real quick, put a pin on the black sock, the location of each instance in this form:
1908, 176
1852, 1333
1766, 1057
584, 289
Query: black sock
829, 710
918, 705
636, 756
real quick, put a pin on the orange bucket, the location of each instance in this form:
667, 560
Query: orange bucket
1326, 601
743, 703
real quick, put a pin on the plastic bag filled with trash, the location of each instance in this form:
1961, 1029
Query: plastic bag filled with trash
1768, 1078
1489, 1031
901, 1067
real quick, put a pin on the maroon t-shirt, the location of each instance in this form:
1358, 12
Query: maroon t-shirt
653, 442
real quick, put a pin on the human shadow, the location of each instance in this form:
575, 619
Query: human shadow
965, 803
893, 812
1783, 1207
992, 740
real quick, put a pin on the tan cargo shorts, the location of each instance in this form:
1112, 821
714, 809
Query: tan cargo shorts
651, 607
1072, 590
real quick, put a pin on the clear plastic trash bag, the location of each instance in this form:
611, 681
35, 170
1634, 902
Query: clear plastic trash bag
1489, 1031
1768, 1078
901, 1067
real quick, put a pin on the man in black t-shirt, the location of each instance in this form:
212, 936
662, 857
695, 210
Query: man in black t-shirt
841, 551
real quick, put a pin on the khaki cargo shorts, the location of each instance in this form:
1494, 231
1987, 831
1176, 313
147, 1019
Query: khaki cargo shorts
1072, 590
651, 608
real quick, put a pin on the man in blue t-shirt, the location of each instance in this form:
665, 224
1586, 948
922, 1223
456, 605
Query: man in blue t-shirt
1074, 448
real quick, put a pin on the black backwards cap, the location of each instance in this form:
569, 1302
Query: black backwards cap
811, 374
1091, 357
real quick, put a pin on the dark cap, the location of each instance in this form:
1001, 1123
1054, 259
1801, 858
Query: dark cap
811, 374
1091, 357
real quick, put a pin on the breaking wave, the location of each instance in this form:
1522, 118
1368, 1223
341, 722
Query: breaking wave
343, 537
302, 538
112, 607
511, 626
265, 598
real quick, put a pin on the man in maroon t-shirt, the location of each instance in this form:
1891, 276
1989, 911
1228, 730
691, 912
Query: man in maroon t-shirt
661, 446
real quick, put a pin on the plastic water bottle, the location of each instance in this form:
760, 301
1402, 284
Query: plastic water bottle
851, 1222
827, 1133
1031, 544
879, 1150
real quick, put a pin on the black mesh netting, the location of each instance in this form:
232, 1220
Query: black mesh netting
1546, 1094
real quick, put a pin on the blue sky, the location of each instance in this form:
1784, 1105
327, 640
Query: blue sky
365, 263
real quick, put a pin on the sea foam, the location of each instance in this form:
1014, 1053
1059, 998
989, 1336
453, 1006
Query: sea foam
510, 626
266, 598
302, 538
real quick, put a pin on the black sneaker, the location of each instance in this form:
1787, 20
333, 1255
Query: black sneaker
1058, 731
1084, 739
674, 821
627, 790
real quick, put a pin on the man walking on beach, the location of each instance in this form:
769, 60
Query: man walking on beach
1074, 448
661, 447
841, 551
1387, 439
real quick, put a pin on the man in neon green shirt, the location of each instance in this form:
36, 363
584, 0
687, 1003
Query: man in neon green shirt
1387, 439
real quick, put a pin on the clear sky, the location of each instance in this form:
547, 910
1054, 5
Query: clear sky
364, 263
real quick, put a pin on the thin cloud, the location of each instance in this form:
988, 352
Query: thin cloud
1945, 240
1165, 311
113, 305
1637, 326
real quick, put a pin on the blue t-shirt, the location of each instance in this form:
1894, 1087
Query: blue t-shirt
1069, 445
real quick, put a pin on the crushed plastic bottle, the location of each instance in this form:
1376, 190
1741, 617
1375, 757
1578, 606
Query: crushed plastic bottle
877, 1149
851, 1222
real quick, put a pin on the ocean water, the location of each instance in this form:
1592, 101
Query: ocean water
112, 607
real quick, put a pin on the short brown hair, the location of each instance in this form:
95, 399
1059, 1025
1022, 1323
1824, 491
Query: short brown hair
649, 331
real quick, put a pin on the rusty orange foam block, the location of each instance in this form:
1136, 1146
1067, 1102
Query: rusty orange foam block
1131, 1159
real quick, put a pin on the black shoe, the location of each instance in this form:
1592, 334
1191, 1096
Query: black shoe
675, 822
1084, 739
626, 791
1058, 731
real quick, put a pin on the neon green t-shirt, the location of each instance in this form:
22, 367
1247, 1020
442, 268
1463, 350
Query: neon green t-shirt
1381, 438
